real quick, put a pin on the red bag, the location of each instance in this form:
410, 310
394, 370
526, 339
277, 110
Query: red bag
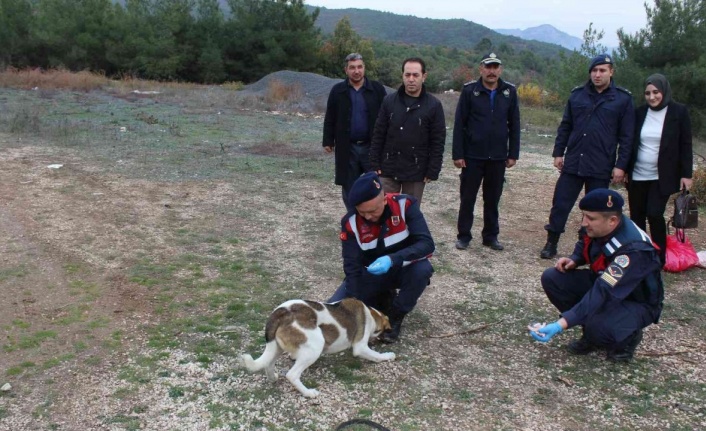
681, 255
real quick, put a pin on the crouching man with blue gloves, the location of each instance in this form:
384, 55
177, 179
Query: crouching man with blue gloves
386, 246
619, 294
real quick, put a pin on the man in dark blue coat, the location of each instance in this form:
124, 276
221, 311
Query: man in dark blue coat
386, 245
351, 111
593, 144
486, 140
619, 294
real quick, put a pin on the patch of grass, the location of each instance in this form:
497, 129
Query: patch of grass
14, 272
53, 362
73, 314
21, 324
36, 339
176, 391
72, 268
14, 371
135, 374
3, 413
128, 422
89, 291
93, 361
125, 392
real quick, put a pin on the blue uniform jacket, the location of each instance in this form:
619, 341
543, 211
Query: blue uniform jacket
633, 272
594, 128
417, 245
485, 133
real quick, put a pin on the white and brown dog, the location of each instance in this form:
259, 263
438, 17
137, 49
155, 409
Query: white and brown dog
306, 329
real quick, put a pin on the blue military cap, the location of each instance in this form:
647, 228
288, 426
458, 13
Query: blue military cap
366, 187
600, 59
602, 200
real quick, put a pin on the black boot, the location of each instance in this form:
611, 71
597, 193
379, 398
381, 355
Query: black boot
549, 250
581, 347
626, 351
393, 334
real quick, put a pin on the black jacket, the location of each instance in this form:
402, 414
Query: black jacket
484, 133
408, 143
676, 157
337, 122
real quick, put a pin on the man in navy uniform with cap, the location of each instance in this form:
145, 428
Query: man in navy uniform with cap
593, 144
486, 141
619, 294
386, 246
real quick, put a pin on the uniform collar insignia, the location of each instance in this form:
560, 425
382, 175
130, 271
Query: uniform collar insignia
395, 220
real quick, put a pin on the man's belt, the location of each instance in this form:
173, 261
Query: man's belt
360, 142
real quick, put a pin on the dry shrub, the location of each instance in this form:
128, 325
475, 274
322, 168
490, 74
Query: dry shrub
233, 85
279, 92
52, 79
129, 83
698, 187
529, 94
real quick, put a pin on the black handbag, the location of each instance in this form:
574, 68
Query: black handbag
686, 211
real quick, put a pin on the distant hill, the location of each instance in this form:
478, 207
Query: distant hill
453, 33
544, 33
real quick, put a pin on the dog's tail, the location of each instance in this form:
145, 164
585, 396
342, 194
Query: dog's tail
270, 355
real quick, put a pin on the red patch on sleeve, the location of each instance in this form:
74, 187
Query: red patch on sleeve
343, 236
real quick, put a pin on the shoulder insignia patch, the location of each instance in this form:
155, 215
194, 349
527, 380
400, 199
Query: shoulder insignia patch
623, 261
609, 279
470, 82
576, 88
343, 236
614, 271
510, 84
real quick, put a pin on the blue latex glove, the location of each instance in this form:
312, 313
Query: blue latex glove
380, 266
546, 333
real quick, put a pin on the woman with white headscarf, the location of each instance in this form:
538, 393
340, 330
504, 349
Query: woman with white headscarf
662, 158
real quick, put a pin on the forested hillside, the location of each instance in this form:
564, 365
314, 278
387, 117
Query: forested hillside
216, 41
405, 29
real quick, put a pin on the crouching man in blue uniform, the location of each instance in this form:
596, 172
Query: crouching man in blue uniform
386, 246
619, 294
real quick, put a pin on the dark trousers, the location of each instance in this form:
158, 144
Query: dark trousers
647, 203
358, 164
567, 190
611, 324
491, 173
411, 280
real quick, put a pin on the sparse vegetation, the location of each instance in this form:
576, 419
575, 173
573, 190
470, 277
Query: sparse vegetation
174, 248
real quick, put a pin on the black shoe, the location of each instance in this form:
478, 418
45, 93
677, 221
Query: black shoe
461, 244
627, 351
581, 347
494, 244
549, 250
393, 334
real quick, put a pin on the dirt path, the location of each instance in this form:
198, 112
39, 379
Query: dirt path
72, 236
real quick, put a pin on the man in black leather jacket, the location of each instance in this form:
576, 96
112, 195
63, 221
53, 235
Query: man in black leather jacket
409, 136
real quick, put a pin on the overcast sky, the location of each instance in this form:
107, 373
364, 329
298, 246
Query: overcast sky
569, 16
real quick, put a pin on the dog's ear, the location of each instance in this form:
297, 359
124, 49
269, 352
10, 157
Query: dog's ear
382, 322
